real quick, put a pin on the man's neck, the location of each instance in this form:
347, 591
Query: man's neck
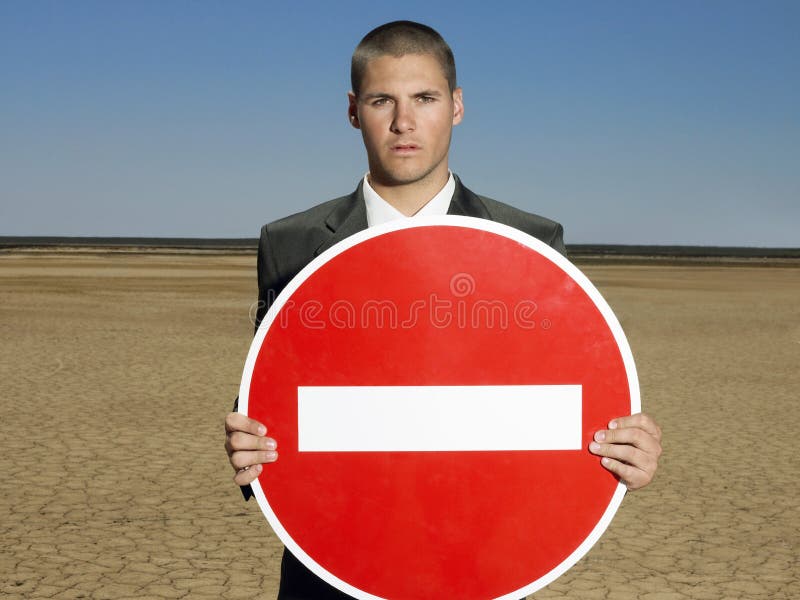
411, 197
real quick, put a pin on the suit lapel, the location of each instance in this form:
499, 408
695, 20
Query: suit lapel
346, 219
466, 203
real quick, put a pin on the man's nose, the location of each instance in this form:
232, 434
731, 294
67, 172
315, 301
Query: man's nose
403, 118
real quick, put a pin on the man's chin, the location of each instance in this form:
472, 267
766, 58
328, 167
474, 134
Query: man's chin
401, 177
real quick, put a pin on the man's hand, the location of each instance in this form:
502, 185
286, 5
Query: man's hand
247, 447
630, 448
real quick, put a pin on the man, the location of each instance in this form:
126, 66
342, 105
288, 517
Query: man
405, 102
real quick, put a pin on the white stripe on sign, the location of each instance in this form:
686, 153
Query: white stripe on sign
438, 418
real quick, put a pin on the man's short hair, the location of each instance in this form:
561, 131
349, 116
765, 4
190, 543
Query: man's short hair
399, 38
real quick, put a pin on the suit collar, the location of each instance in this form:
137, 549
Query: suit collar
350, 216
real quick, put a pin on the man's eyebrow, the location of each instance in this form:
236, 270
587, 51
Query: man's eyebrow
435, 93
373, 95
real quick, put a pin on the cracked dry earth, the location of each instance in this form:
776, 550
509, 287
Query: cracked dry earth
117, 370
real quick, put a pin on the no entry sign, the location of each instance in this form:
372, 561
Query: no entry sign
434, 385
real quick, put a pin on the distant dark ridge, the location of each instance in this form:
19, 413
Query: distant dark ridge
25, 242
612, 250
577, 251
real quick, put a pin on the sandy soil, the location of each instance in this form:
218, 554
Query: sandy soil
117, 371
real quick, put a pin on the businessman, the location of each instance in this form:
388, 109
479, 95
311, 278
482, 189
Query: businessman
405, 101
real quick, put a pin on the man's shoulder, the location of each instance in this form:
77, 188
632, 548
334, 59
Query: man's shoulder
547, 230
310, 218
312, 226
513, 216
290, 243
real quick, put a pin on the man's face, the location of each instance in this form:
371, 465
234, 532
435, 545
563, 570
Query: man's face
406, 113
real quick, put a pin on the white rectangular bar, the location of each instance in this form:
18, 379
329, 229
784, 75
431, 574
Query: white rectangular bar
439, 418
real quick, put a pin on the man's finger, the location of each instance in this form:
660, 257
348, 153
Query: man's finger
622, 452
640, 421
238, 422
633, 436
633, 466
238, 440
631, 477
248, 459
247, 476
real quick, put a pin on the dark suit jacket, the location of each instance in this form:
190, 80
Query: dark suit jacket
288, 245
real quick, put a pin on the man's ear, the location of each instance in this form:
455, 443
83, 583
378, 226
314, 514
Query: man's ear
352, 110
458, 105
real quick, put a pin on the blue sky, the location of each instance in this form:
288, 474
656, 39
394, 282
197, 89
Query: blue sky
629, 122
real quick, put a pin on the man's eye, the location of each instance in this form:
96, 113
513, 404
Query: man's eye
380, 101
426, 99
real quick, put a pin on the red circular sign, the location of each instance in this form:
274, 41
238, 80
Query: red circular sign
433, 385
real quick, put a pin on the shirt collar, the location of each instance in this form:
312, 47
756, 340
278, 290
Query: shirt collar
379, 211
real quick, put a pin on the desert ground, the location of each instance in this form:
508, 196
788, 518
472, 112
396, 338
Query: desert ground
118, 368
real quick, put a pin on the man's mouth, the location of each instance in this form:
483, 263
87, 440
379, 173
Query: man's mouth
405, 148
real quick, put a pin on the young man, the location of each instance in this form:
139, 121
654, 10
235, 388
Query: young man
405, 102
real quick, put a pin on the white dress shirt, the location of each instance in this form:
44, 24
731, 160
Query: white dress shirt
380, 211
